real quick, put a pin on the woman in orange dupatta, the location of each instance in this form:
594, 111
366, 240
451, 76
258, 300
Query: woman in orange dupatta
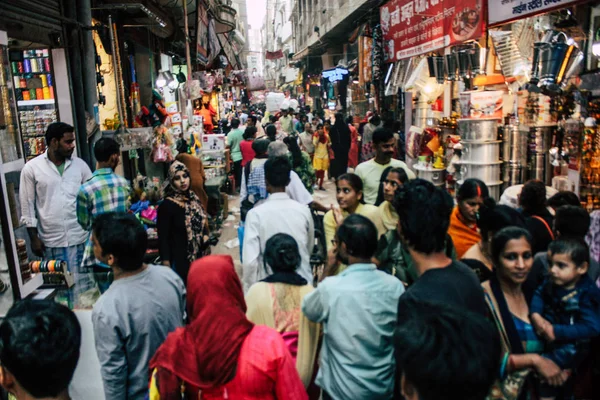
463, 221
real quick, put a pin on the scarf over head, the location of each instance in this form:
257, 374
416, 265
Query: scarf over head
196, 221
205, 352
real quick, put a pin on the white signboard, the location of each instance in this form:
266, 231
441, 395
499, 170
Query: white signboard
501, 11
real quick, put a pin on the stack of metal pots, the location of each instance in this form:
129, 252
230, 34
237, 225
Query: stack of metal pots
514, 154
480, 157
538, 153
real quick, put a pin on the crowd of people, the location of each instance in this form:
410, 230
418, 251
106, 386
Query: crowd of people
420, 298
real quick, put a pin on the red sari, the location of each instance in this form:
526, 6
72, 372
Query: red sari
353, 153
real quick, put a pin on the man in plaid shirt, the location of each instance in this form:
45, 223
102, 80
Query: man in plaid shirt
104, 192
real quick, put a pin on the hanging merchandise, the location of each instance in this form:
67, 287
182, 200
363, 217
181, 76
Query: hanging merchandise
555, 59
161, 145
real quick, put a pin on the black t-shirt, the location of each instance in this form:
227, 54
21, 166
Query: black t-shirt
455, 285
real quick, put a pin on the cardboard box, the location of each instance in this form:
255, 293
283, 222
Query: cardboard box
477, 104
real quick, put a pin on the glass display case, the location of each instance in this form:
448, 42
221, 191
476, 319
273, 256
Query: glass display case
16, 278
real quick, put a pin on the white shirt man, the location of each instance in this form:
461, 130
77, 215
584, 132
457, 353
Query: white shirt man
48, 193
278, 214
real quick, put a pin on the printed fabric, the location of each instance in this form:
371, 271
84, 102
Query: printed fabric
196, 221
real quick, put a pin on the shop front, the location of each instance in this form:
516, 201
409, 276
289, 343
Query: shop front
515, 104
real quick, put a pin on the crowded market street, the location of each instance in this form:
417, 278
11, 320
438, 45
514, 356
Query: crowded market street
300, 199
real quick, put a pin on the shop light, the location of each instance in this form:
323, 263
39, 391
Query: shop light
161, 81
172, 83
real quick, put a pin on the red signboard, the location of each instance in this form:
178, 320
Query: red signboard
413, 27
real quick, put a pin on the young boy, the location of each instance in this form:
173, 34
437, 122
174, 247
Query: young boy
565, 309
137, 312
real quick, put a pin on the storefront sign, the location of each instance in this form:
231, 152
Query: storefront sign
502, 11
414, 27
335, 75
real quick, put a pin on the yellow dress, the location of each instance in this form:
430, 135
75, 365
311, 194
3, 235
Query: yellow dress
321, 157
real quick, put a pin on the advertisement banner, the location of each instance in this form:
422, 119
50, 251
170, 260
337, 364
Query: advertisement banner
503, 11
365, 49
414, 27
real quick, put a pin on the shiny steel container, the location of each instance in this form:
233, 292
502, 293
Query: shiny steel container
513, 173
488, 172
433, 175
480, 152
477, 130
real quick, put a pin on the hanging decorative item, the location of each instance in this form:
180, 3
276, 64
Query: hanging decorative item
555, 59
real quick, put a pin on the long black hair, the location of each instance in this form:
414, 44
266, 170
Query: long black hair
282, 253
293, 147
389, 170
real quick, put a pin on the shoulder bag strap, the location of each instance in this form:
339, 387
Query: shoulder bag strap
545, 224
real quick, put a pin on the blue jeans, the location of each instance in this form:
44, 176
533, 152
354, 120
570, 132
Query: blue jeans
73, 255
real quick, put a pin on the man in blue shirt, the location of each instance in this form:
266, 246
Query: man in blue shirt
358, 309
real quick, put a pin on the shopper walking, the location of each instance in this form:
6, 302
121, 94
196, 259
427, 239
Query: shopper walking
361, 302
182, 223
322, 144
104, 192
301, 163
340, 144
234, 138
306, 140
538, 219
133, 317
370, 171
424, 214
275, 302
354, 146
39, 350
248, 153
278, 214
368, 149
509, 310
220, 353
463, 221
48, 196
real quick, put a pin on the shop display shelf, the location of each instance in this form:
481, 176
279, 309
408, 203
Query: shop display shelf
24, 103
31, 285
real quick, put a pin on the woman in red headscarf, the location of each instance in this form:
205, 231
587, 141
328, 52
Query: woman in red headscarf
220, 354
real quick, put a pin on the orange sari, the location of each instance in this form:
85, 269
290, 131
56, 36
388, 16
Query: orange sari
462, 236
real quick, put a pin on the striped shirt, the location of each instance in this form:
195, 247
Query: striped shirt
104, 192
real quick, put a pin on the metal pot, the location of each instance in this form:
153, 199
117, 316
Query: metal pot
477, 130
480, 152
513, 173
514, 148
489, 172
433, 175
